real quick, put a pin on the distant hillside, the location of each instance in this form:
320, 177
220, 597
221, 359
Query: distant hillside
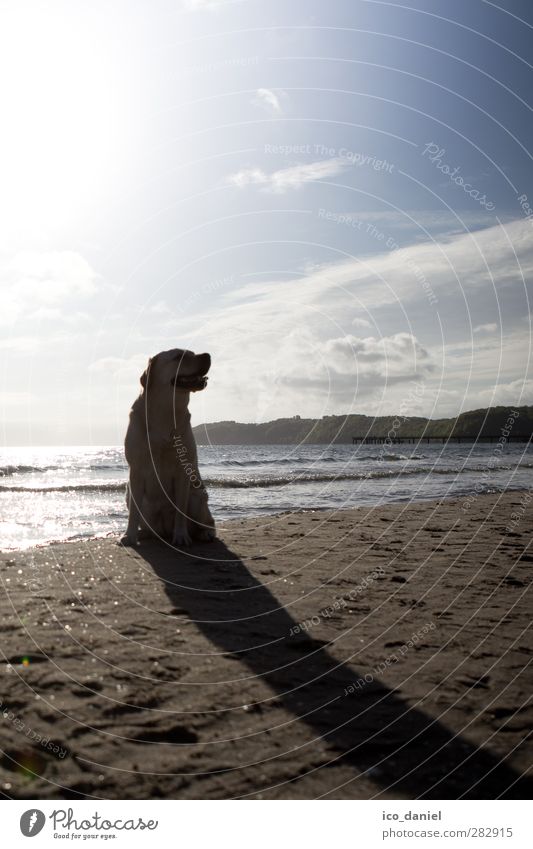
487, 422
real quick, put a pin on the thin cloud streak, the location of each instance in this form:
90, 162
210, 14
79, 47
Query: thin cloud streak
285, 179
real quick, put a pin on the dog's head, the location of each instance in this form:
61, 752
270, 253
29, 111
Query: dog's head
177, 370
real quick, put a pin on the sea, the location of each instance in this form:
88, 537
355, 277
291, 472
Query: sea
53, 494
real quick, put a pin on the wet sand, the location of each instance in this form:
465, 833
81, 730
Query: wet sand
367, 653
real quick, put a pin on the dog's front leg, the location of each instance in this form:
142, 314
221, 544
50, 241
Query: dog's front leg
202, 522
135, 492
181, 536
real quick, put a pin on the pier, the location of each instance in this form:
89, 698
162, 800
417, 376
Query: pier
413, 440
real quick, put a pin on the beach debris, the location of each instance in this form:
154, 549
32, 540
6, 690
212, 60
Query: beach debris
176, 734
471, 681
24, 660
28, 763
511, 581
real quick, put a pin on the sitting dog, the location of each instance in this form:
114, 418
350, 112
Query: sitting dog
165, 494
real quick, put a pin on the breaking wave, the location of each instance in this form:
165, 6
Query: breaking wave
250, 482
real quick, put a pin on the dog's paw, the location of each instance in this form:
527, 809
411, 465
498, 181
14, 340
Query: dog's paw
127, 542
181, 539
206, 535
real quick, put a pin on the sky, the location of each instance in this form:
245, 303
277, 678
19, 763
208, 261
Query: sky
334, 199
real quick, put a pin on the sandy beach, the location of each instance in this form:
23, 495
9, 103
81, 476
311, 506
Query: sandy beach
366, 653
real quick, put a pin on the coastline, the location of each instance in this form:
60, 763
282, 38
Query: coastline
358, 653
50, 496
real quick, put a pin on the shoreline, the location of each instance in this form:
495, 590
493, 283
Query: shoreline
393, 502
368, 652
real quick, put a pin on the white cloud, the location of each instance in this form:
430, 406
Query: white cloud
400, 355
515, 392
486, 328
269, 100
295, 361
469, 262
290, 343
159, 308
51, 275
288, 178
336, 339
122, 369
40, 284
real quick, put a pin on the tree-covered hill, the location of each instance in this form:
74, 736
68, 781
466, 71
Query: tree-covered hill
473, 424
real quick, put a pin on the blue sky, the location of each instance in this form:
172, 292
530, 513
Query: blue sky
331, 198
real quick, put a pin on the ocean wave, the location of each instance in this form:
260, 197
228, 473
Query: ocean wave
102, 467
394, 458
249, 482
317, 461
74, 487
281, 461
18, 469
285, 480
264, 483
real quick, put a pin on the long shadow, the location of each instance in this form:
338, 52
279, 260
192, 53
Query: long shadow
409, 752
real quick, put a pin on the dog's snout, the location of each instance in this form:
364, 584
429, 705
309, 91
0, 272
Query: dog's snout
205, 362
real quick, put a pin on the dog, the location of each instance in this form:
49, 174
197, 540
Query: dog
165, 495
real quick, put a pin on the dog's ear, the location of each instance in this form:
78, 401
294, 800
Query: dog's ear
146, 374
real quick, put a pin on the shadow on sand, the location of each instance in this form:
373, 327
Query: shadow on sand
415, 755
